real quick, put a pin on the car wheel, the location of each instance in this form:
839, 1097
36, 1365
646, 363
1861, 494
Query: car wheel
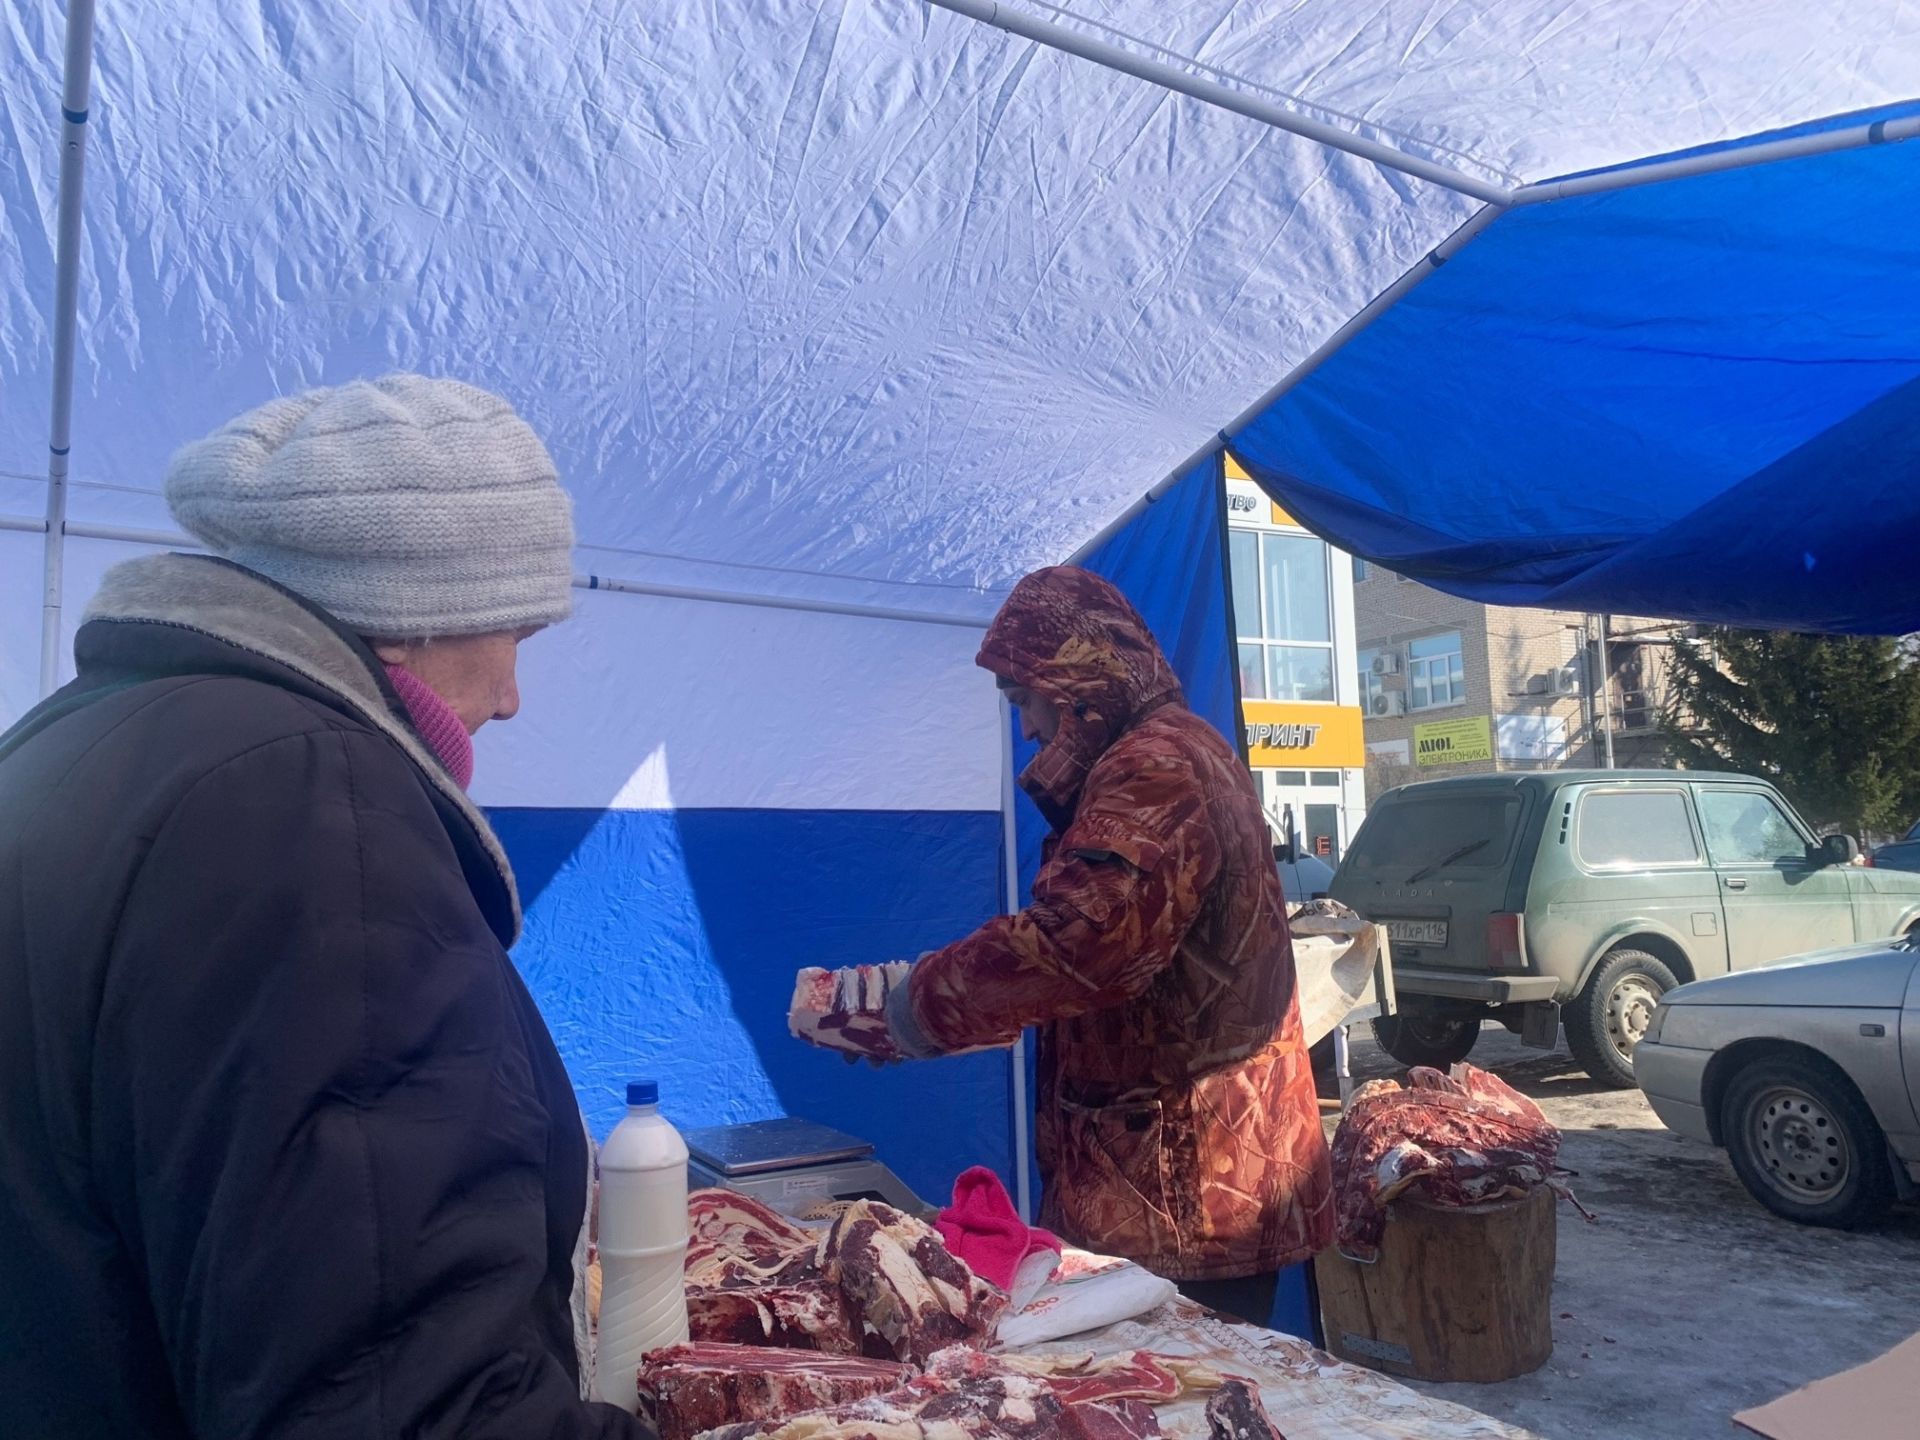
1416, 1038
1607, 1019
1805, 1144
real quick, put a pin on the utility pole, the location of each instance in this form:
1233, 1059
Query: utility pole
1603, 685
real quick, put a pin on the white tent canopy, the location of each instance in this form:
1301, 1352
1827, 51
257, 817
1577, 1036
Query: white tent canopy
849, 302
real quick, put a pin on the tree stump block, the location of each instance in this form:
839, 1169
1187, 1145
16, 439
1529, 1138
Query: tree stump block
1457, 1294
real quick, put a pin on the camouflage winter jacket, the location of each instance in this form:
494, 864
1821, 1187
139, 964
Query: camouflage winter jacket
1178, 1124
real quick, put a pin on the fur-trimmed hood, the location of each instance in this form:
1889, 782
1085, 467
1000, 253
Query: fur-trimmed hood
215, 600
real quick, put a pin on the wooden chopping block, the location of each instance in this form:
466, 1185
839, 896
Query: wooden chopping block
1457, 1294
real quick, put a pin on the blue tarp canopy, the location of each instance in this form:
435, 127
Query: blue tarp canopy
1697, 398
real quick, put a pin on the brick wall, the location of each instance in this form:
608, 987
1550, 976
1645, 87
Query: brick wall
1508, 653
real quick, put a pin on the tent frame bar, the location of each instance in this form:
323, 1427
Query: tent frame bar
1212, 92
75, 89
168, 540
1825, 142
776, 602
1010, 851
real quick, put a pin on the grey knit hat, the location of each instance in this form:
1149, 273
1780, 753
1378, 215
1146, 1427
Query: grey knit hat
405, 507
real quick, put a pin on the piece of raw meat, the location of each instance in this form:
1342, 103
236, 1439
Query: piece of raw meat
905, 1286
693, 1388
734, 1241
1235, 1413
1083, 1379
998, 1407
806, 1315
846, 1009
1464, 1138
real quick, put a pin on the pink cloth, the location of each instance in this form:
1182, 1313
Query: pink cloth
983, 1228
437, 724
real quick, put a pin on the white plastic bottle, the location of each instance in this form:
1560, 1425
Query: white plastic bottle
643, 1245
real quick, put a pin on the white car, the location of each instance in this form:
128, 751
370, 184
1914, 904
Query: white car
1807, 1072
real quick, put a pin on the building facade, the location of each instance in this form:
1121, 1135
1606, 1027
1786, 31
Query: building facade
1455, 687
1300, 689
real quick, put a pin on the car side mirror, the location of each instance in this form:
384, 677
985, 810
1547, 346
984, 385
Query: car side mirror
1840, 849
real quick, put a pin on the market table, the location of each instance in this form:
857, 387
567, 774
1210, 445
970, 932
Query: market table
1309, 1394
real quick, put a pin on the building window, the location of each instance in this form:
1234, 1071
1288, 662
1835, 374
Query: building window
1435, 674
1359, 569
1283, 615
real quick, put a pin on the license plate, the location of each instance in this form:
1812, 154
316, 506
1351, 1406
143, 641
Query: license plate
1417, 932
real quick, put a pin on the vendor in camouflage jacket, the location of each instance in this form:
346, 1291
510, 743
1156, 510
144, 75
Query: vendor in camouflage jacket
1178, 1124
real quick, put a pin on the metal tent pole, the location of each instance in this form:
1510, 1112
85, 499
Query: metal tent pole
1010, 846
1605, 687
775, 602
1171, 77
1826, 142
74, 93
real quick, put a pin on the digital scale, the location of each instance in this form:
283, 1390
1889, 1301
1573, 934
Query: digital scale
792, 1165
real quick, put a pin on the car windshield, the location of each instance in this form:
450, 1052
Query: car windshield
1429, 835
1914, 834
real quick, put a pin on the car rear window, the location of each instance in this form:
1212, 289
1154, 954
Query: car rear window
1437, 834
1621, 829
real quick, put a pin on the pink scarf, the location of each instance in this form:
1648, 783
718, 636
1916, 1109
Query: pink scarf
437, 724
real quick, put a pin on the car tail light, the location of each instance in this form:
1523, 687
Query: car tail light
1867, 859
1504, 950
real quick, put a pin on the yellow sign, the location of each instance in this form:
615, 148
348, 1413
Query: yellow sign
1453, 742
1237, 471
1287, 734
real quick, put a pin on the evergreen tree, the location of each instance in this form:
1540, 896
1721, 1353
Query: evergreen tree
1832, 720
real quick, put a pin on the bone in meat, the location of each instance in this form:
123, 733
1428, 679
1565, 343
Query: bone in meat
911, 1293
1235, 1413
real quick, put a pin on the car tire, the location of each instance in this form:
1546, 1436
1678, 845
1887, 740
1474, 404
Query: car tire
1607, 1018
1414, 1038
1805, 1144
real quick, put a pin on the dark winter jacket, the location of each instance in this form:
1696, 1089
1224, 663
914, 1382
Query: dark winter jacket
285, 1149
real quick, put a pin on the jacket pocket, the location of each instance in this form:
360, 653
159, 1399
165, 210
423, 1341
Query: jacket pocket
1112, 1179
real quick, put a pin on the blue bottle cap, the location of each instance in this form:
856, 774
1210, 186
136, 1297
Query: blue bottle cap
643, 1092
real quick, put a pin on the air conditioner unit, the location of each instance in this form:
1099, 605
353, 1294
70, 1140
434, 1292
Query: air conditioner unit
1387, 662
1390, 703
1566, 680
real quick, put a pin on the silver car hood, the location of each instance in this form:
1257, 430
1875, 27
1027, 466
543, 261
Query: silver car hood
1873, 975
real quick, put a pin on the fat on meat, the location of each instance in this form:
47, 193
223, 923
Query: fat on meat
1084, 1378
910, 1292
735, 1241
997, 1407
806, 1315
1463, 1138
698, 1387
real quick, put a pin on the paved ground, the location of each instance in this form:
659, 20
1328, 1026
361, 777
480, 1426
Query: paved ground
1687, 1301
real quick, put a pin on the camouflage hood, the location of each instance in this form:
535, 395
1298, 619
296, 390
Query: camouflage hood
1072, 638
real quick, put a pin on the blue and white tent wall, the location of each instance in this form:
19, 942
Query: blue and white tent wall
694, 814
